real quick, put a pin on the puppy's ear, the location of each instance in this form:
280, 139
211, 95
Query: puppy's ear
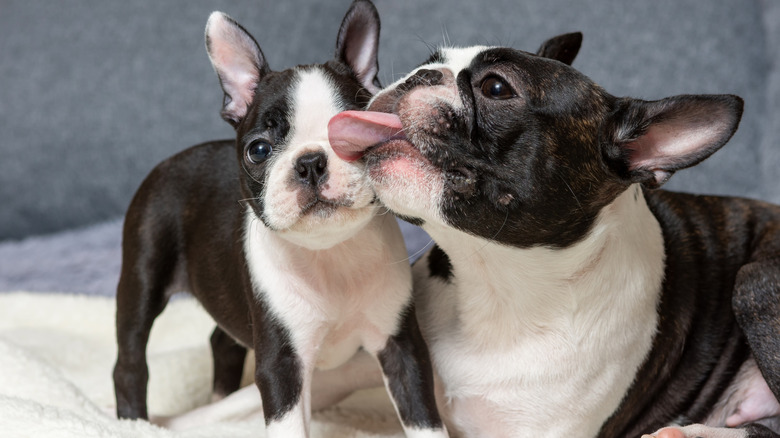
562, 48
357, 44
647, 142
239, 64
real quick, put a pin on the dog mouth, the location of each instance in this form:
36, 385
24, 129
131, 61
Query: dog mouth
380, 137
353, 133
417, 117
380, 140
322, 207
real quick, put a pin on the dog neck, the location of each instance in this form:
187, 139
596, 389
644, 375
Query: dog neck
581, 319
621, 259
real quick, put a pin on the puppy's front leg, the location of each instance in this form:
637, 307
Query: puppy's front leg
409, 379
283, 377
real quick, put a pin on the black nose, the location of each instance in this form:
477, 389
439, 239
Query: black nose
423, 77
312, 168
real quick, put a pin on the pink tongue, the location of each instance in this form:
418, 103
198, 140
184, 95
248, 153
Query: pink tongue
352, 132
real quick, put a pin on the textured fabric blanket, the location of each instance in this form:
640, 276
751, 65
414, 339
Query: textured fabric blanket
56, 356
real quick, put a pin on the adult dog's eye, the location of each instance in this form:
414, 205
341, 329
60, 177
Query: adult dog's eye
495, 88
258, 151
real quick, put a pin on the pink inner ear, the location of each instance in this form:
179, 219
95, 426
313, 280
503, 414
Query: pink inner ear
361, 55
672, 144
676, 132
364, 64
234, 56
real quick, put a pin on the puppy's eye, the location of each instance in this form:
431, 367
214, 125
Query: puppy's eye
495, 88
258, 151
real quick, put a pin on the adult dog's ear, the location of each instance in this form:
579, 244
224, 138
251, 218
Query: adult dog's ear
647, 142
357, 44
239, 64
562, 48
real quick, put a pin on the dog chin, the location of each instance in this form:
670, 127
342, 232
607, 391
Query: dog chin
407, 182
326, 225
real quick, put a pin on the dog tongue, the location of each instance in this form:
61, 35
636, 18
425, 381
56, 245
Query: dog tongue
352, 132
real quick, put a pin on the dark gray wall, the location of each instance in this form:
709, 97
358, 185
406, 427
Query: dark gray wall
94, 94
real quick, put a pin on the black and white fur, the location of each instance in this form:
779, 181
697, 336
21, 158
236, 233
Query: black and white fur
565, 296
282, 243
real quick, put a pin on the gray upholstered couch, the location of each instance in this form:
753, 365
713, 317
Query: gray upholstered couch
93, 94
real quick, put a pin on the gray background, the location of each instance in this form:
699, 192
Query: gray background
94, 93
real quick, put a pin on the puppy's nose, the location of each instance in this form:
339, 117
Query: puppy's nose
312, 168
423, 77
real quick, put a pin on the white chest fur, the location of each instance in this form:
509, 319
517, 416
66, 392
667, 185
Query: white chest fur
542, 342
336, 299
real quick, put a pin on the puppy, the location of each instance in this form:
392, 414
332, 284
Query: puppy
278, 239
565, 296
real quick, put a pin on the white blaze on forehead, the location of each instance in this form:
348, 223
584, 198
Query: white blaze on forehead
314, 101
460, 58
455, 59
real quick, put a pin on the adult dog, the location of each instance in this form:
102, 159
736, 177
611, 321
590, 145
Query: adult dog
565, 296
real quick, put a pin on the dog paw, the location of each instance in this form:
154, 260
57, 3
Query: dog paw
697, 431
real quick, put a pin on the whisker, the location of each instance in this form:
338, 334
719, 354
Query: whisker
244, 202
572, 193
431, 48
243, 166
492, 238
384, 211
355, 99
445, 35
392, 72
416, 253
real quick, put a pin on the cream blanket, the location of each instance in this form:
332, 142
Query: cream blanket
56, 357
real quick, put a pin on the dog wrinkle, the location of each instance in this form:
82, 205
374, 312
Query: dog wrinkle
590, 265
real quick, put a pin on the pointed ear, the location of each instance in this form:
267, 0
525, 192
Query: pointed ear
562, 48
239, 64
357, 44
647, 142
